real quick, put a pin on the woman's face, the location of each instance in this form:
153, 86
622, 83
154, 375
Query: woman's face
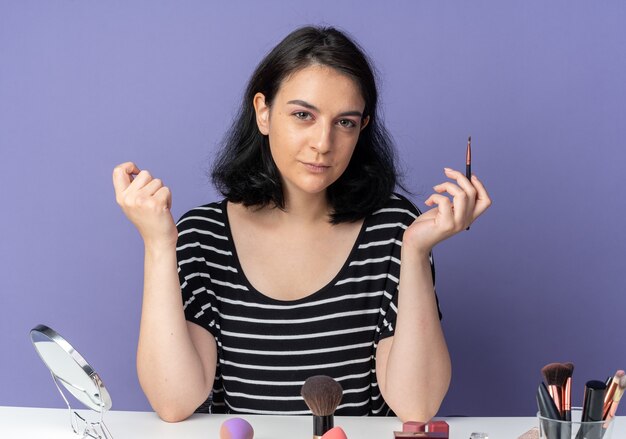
313, 126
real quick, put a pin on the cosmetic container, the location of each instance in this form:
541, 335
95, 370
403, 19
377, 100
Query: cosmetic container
432, 429
574, 429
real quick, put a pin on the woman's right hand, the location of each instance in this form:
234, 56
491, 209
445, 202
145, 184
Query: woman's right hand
146, 203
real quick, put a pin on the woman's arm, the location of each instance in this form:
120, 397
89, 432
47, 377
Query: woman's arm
413, 367
175, 359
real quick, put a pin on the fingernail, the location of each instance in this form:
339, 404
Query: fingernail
447, 169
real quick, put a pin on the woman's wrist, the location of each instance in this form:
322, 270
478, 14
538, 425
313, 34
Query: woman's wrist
157, 249
415, 251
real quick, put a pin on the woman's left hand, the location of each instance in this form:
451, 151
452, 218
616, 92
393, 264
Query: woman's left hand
448, 217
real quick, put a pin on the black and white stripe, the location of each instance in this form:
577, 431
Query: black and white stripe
268, 348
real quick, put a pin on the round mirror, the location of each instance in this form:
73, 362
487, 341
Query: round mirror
70, 369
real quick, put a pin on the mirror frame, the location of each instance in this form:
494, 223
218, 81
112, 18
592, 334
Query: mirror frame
44, 332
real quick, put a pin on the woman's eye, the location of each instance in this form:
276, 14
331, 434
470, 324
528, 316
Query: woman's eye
347, 123
303, 115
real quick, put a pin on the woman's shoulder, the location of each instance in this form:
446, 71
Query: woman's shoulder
207, 213
398, 207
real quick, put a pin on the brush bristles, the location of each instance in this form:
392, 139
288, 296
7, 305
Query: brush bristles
622, 382
322, 394
556, 374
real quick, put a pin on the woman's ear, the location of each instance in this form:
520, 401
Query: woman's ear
262, 111
364, 122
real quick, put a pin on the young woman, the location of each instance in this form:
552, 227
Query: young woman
310, 265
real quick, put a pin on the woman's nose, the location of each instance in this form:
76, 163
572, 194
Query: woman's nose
322, 138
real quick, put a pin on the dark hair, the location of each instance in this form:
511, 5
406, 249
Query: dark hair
245, 172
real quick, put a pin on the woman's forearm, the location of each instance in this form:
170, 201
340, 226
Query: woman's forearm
417, 371
168, 364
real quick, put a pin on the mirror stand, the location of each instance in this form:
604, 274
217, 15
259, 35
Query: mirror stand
80, 426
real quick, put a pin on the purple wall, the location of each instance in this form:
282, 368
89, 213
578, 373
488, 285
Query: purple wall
539, 85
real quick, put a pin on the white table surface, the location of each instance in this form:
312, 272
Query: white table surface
25, 422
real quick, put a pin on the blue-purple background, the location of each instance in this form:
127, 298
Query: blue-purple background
540, 86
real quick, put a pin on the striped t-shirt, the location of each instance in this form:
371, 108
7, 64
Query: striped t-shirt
267, 348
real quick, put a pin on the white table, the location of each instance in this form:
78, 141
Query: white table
23, 422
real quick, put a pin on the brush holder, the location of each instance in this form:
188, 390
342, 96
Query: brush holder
574, 429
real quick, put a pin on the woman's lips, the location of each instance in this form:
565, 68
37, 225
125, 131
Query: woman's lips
316, 167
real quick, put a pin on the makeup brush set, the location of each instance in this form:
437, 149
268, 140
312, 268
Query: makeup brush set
322, 395
554, 401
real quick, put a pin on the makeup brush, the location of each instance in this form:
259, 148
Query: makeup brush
567, 393
322, 395
612, 386
468, 158
468, 161
555, 376
593, 404
548, 410
616, 397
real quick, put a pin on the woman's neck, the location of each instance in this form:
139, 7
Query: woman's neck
305, 208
